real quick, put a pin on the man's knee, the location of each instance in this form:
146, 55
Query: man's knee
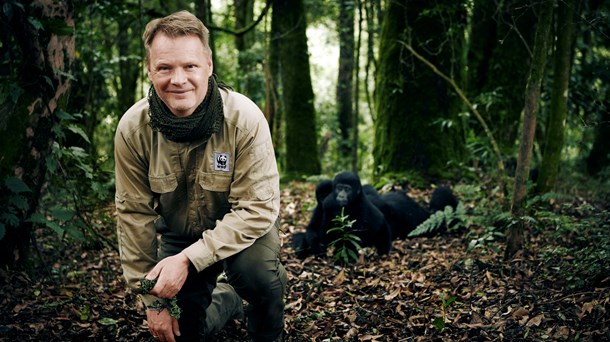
257, 271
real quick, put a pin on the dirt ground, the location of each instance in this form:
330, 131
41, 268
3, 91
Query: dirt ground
428, 289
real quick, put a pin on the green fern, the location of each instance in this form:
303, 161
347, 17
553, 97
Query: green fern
442, 218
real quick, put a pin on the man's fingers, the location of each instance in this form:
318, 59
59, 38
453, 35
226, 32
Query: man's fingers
175, 327
169, 337
154, 273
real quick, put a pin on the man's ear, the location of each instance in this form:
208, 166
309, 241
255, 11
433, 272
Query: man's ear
211, 65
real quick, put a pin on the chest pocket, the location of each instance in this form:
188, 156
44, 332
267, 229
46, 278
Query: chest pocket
163, 184
214, 195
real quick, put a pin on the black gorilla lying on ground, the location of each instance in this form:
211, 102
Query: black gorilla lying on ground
346, 197
399, 214
404, 214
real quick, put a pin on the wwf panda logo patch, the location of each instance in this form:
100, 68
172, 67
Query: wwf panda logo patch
221, 161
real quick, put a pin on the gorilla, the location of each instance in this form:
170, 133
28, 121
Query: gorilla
403, 214
442, 197
303, 242
346, 196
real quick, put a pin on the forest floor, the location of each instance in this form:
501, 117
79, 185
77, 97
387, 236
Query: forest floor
425, 289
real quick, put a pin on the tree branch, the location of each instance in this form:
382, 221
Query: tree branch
460, 93
247, 28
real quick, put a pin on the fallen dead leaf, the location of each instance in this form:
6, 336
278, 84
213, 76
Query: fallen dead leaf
535, 321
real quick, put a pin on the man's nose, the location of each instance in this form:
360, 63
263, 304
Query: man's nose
179, 76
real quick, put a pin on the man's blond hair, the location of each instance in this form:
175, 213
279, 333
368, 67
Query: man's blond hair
182, 23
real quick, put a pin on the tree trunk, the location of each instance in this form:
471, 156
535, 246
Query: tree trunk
272, 83
515, 234
129, 68
599, 157
411, 100
500, 47
345, 83
297, 95
247, 76
372, 30
203, 10
553, 145
43, 58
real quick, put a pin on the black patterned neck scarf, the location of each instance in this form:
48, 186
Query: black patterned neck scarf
205, 120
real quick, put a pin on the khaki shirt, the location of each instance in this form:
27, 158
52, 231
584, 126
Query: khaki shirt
221, 195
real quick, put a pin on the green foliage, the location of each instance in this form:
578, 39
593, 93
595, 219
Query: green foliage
347, 242
439, 321
486, 213
147, 285
14, 204
75, 187
582, 252
450, 218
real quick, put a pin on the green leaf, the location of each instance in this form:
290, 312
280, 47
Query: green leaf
16, 185
55, 227
10, 218
74, 232
78, 152
38, 218
107, 321
84, 313
35, 23
58, 27
19, 202
439, 323
16, 92
62, 214
2, 230
79, 131
63, 115
449, 301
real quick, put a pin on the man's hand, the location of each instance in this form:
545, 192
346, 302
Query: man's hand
171, 274
161, 325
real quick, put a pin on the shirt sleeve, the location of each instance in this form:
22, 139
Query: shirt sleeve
135, 214
254, 196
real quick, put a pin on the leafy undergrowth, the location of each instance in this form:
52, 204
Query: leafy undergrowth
425, 289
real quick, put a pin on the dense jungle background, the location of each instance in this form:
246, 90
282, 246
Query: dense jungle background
506, 102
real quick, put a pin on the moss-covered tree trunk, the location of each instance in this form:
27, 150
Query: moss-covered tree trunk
272, 79
203, 10
555, 131
345, 83
248, 77
411, 100
297, 92
515, 234
38, 38
499, 56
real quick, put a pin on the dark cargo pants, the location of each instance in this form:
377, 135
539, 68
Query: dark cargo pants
255, 274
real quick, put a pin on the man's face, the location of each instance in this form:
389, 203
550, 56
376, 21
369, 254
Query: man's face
179, 69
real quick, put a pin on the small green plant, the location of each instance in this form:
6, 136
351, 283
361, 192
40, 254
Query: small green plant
171, 304
347, 243
439, 322
450, 218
